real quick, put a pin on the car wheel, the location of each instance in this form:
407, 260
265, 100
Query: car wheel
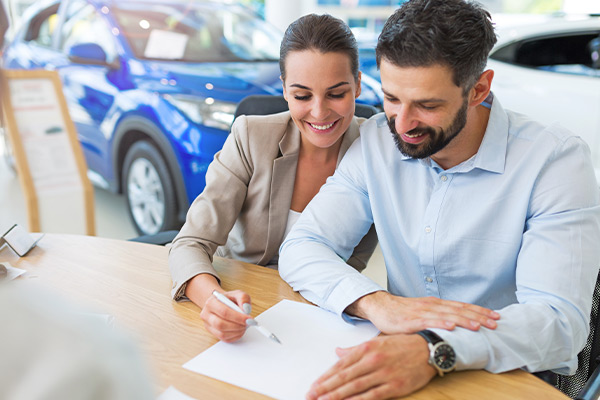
149, 190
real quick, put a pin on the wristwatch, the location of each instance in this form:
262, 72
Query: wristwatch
441, 355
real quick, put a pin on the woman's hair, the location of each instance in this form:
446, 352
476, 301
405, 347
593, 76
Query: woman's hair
323, 33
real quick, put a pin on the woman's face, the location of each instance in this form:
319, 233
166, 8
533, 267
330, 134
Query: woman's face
320, 91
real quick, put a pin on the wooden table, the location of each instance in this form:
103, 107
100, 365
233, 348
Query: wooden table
131, 281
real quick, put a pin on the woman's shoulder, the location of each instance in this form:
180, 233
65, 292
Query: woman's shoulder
245, 123
261, 133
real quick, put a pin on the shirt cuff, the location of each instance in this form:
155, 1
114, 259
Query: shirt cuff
348, 291
470, 347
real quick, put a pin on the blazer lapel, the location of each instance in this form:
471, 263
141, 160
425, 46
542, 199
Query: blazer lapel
282, 187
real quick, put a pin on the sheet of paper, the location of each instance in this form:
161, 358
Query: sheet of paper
173, 394
309, 337
12, 272
165, 45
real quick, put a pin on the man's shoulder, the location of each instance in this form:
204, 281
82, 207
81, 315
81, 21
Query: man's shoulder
527, 128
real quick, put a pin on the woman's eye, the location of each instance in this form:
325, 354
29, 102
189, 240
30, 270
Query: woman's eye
301, 98
338, 95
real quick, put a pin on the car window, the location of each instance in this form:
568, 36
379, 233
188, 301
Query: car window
193, 32
84, 25
42, 26
571, 53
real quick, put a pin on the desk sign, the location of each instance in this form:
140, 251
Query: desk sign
48, 157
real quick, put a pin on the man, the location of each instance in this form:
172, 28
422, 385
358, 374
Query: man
476, 209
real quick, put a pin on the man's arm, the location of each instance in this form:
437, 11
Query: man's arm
312, 260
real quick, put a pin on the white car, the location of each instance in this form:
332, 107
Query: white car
551, 72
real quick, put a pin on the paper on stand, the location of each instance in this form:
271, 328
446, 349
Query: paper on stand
309, 337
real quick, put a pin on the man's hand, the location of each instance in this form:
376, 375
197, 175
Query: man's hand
385, 367
221, 321
395, 314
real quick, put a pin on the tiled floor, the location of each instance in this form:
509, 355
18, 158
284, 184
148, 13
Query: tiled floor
112, 220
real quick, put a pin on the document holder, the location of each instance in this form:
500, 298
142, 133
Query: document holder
19, 240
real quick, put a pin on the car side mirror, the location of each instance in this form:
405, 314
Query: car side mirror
90, 53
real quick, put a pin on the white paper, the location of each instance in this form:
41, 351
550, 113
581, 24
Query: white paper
173, 394
12, 272
165, 45
309, 337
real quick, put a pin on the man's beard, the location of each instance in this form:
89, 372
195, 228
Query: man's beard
436, 141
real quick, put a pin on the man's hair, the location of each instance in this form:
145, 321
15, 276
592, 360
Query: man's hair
322, 33
458, 34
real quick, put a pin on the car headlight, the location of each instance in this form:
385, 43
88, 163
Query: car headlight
204, 110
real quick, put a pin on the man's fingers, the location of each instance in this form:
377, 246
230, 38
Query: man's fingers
357, 386
465, 315
350, 356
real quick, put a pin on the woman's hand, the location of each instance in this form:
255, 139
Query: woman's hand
224, 323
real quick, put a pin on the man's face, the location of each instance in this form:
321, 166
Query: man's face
424, 108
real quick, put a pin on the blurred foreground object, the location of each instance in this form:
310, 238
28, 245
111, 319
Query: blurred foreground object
52, 351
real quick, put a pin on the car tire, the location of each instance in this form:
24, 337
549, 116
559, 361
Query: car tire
148, 188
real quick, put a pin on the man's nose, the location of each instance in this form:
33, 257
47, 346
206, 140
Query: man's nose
405, 120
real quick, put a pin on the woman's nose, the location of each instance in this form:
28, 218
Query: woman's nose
320, 109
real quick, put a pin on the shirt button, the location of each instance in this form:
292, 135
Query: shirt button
428, 279
444, 178
427, 229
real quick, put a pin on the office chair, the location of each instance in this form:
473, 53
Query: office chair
265, 104
585, 384
251, 105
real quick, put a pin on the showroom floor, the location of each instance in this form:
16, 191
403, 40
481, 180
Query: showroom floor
112, 220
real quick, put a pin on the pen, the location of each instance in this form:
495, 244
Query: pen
251, 322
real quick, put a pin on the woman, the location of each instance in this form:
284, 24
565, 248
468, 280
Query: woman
270, 168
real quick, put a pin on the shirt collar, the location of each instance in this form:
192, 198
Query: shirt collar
491, 155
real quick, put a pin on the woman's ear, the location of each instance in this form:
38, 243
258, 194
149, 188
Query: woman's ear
358, 87
283, 85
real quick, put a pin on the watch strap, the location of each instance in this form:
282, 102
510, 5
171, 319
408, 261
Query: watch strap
430, 337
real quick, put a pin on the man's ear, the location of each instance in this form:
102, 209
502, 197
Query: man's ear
482, 88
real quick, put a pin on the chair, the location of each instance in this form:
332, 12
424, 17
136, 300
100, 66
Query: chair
261, 104
251, 105
585, 384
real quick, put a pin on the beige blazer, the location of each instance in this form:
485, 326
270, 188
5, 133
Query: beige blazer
242, 212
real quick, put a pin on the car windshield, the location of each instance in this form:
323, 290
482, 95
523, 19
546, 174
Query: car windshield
193, 32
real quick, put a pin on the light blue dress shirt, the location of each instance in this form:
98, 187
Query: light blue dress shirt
515, 228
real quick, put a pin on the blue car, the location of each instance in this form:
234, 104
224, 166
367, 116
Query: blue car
152, 87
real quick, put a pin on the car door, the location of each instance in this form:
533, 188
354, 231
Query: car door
553, 78
88, 87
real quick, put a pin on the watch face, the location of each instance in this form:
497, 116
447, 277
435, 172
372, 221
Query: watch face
444, 357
